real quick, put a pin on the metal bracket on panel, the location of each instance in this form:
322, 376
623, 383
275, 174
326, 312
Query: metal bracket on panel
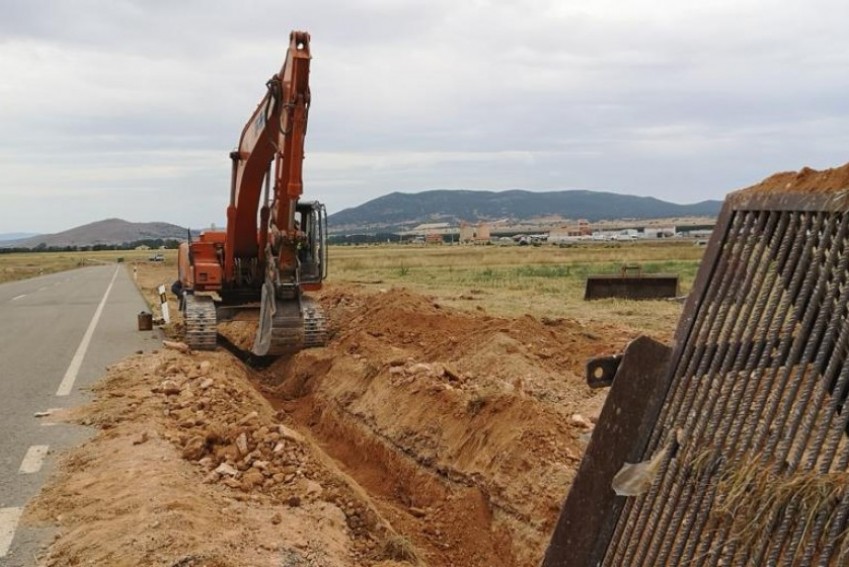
602, 370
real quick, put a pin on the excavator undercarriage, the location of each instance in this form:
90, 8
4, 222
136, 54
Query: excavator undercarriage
284, 326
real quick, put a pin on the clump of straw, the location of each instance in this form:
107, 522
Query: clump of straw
754, 498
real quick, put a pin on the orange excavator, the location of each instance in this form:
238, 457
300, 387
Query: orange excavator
274, 248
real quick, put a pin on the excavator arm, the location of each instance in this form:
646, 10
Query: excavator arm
275, 133
274, 246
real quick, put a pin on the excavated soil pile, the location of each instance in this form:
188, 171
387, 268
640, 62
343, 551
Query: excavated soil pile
419, 435
192, 467
806, 180
466, 429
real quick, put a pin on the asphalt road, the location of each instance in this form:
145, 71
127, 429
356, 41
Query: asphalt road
57, 335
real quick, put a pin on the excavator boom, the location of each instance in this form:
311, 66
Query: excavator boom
274, 246
275, 132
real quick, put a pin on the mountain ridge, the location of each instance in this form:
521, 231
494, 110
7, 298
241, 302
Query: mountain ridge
398, 210
112, 231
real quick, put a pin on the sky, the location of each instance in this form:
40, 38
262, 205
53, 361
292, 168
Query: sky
129, 108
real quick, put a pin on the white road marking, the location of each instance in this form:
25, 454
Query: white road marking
8, 524
33, 460
77, 361
17, 297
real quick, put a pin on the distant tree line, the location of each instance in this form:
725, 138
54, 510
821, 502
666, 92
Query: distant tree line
152, 243
379, 238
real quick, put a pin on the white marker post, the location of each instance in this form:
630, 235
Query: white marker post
166, 315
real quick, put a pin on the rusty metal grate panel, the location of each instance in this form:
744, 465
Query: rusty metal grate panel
754, 417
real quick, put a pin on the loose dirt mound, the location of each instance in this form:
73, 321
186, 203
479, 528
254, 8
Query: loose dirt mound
806, 180
418, 435
193, 467
463, 426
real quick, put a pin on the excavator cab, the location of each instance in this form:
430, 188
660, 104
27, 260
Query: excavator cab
311, 222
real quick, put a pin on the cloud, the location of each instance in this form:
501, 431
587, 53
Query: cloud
130, 107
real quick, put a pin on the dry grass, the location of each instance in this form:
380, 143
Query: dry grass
29, 265
512, 280
149, 276
399, 548
19, 266
754, 498
505, 280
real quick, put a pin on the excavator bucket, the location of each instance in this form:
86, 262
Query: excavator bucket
631, 283
730, 448
288, 325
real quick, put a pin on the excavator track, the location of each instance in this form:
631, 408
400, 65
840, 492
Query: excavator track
200, 322
287, 326
315, 323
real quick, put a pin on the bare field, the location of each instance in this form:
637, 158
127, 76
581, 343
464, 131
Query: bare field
516, 280
23, 265
504, 280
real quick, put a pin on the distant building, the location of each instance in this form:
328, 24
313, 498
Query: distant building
582, 228
474, 233
659, 232
700, 233
433, 238
432, 227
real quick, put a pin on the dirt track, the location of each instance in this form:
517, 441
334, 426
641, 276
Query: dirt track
419, 434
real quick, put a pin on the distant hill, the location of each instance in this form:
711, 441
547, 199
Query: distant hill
5, 236
399, 210
109, 231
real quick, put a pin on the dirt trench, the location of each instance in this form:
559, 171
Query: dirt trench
460, 427
419, 435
